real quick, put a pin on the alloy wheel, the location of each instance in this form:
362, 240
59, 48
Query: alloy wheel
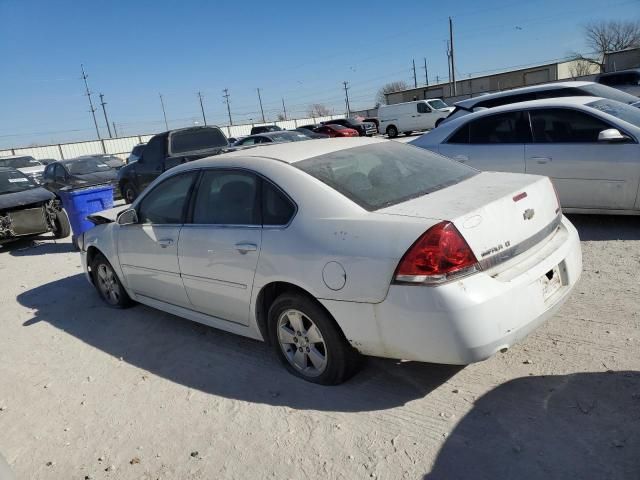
108, 284
302, 343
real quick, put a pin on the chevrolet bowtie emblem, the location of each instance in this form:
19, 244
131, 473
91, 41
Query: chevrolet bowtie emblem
528, 214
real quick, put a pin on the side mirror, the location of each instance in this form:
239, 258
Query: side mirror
612, 135
128, 217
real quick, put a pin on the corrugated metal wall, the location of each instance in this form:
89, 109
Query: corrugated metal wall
121, 147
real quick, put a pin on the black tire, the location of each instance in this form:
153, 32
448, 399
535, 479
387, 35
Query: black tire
407, 133
342, 360
392, 131
121, 298
129, 192
62, 228
438, 122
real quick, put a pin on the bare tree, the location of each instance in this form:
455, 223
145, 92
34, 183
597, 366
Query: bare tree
280, 117
603, 37
390, 87
318, 110
583, 66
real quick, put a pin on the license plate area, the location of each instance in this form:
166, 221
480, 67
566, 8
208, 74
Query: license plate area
552, 282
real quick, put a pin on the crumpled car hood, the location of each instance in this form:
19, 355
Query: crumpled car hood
20, 199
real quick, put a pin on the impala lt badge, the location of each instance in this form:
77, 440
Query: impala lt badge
528, 214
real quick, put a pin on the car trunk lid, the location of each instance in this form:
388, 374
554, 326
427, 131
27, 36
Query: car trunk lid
498, 214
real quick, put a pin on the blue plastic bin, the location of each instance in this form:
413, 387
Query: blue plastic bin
83, 202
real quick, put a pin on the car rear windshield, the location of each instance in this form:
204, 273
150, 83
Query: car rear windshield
194, 140
619, 110
86, 166
19, 162
383, 174
597, 90
12, 181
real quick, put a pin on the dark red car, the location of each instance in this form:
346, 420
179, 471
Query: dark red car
337, 131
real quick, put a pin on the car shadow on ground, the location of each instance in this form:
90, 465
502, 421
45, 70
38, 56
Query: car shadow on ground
216, 362
606, 227
579, 426
39, 245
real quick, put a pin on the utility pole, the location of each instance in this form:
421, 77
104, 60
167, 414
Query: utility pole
261, 110
226, 100
115, 132
449, 69
346, 97
104, 110
453, 62
415, 79
284, 109
164, 113
202, 108
426, 73
91, 108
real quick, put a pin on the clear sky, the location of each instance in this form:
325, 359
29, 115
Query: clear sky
300, 51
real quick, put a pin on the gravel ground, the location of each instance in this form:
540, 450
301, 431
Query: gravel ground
89, 392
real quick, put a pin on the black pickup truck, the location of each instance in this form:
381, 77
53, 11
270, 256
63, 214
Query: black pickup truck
167, 150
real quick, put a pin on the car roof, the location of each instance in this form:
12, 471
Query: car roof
470, 102
10, 157
293, 152
544, 102
608, 74
9, 169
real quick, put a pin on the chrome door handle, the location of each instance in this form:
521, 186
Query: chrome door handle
541, 160
165, 242
246, 247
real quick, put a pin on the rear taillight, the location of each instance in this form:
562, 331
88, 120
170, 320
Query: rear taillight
440, 254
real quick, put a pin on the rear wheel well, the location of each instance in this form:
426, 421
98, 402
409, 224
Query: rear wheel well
272, 291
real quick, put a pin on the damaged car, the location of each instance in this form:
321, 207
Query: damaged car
27, 209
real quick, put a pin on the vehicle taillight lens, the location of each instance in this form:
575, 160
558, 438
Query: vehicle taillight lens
440, 254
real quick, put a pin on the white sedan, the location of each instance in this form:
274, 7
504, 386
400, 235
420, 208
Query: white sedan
589, 146
331, 248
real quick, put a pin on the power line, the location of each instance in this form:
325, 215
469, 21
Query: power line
92, 109
164, 113
104, 110
226, 100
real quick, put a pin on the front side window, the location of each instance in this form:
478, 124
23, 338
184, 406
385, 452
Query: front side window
166, 203
509, 127
154, 151
561, 125
60, 173
380, 175
423, 108
227, 198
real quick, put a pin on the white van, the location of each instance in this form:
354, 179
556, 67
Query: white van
411, 116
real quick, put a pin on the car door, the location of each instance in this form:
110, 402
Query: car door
423, 118
219, 249
587, 173
491, 143
148, 249
60, 177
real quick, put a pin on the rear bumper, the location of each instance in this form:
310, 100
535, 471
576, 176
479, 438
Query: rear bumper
473, 318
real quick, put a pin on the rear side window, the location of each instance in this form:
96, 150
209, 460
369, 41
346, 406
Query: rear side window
506, 100
461, 135
277, 209
558, 125
377, 176
166, 203
510, 127
226, 197
155, 150
194, 140
628, 78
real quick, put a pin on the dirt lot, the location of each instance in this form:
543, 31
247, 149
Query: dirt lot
89, 392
